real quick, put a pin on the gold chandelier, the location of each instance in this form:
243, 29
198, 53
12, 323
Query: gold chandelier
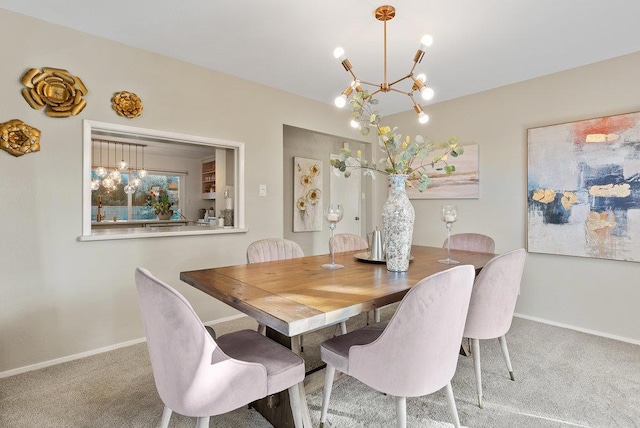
384, 14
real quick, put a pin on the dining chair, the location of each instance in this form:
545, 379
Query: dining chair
471, 242
199, 376
416, 352
269, 249
492, 305
341, 242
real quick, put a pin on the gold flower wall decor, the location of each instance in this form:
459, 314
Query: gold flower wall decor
56, 89
127, 104
18, 138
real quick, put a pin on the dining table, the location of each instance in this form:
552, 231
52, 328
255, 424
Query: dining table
297, 296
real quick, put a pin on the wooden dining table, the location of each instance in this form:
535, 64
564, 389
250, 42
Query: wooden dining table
296, 296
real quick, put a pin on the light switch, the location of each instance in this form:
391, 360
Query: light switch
263, 190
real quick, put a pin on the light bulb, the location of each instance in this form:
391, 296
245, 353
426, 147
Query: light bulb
101, 171
421, 77
129, 189
354, 124
108, 182
136, 182
95, 184
115, 175
423, 117
425, 42
122, 165
427, 93
338, 53
142, 173
340, 101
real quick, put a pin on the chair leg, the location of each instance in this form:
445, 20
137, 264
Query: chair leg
301, 343
296, 406
376, 315
505, 353
401, 412
166, 415
202, 422
329, 375
475, 352
262, 329
452, 405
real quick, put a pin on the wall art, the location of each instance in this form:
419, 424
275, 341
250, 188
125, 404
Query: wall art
307, 195
56, 90
126, 104
463, 183
18, 138
583, 188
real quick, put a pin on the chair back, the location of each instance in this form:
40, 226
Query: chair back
266, 250
471, 242
192, 374
494, 296
417, 353
347, 242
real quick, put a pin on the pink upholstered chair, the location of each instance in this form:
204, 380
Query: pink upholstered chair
416, 353
265, 250
471, 242
493, 302
198, 376
347, 242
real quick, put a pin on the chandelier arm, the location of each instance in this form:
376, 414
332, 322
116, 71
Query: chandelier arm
401, 79
362, 82
401, 92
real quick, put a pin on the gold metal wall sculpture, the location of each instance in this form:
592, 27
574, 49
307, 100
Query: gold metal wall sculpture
127, 104
18, 138
56, 89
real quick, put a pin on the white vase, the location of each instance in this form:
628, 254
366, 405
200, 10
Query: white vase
398, 216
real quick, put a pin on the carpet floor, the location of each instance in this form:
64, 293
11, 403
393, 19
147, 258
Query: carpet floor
564, 378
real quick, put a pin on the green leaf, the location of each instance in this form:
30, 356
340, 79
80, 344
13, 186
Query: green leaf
449, 169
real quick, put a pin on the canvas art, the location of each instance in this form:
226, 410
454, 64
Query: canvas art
584, 188
307, 195
464, 183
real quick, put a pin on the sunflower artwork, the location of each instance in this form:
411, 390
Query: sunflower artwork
307, 190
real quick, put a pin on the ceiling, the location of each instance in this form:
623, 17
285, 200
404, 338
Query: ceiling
288, 44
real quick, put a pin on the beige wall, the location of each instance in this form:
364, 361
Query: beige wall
61, 297
590, 294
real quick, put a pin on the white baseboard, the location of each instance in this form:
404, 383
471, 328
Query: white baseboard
50, 363
580, 329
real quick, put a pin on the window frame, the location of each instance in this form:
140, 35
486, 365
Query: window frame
90, 127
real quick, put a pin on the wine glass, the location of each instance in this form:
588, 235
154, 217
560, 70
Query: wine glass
333, 214
449, 214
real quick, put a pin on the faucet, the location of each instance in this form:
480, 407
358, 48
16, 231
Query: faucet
99, 215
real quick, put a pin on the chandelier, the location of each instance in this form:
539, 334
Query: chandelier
384, 14
111, 178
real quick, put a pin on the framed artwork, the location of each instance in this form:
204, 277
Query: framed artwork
307, 195
464, 183
583, 188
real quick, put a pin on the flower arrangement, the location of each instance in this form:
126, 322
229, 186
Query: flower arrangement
159, 201
402, 156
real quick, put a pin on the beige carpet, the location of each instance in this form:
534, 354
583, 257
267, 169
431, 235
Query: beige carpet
563, 379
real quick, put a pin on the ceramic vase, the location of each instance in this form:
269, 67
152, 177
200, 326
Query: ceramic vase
164, 215
398, 216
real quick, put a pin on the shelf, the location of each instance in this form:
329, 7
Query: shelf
209, 195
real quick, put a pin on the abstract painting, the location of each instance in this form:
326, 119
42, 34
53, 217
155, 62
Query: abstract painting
463, 183
583, 188
307, 195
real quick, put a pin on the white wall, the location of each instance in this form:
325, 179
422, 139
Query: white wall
591, 294
60, 297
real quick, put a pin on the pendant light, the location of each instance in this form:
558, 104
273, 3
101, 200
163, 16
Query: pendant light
143, 172
122, 165
115, 173
100, 170
136, 180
